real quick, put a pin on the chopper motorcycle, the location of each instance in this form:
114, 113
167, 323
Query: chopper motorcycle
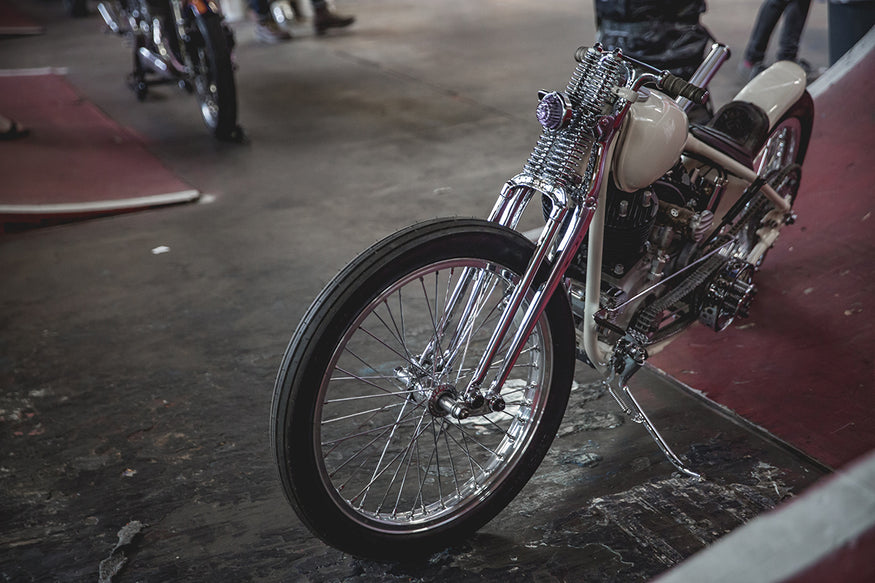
426, 382
186, 42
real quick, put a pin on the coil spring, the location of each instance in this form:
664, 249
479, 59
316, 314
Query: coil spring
558, 154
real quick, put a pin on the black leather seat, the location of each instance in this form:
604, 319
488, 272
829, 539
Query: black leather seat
738, 129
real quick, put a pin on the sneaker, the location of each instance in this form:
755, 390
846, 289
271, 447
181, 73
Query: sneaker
270, 32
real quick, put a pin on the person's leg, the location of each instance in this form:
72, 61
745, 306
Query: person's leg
260, 8
266, 28
767, 18
324, 19
791, 31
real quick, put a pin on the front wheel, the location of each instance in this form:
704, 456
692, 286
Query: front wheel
214, 77
367, 457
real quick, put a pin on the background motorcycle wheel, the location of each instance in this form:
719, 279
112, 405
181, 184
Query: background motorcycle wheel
366, 458
214, 77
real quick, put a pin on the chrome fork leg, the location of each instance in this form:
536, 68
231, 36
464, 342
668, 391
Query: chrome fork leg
566, 249
515, 301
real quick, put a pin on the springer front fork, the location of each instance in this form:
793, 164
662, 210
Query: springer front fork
567, 225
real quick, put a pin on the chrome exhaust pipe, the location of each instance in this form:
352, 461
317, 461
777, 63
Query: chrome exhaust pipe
164, 52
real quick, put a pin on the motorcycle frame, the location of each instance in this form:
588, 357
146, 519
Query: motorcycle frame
559, 247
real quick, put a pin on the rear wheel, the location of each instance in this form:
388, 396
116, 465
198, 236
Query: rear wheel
788, 141
779, 160
367, 457
214, 77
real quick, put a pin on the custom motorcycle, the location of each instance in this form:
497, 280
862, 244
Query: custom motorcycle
186, 42
426, 382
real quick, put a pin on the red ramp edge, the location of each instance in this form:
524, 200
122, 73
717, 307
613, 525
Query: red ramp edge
76, 162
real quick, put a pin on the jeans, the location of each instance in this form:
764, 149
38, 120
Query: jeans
795, 12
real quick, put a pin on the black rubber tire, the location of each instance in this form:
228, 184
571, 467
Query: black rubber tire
310, 360
215, 71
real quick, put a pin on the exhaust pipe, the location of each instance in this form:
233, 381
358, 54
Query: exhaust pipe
163, 62
171, 68
164, 52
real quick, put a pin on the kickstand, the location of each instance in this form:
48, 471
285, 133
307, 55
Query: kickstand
628, 356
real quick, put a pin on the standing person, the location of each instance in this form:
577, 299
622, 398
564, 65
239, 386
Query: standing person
795, 13
268, 31
664, 33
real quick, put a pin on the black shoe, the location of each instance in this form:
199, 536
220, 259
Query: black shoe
14, 131
323, 19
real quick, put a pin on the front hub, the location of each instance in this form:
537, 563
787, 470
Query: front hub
444, 400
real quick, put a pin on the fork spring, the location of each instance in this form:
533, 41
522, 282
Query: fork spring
558, 154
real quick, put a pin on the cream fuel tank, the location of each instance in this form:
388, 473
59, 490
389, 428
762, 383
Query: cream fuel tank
655, 131
653, 137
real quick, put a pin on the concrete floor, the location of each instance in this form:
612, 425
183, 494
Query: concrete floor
136, 387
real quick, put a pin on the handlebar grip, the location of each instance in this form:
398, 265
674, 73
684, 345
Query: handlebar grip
677, 87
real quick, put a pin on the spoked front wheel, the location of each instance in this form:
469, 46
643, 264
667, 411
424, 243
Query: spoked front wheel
368, 458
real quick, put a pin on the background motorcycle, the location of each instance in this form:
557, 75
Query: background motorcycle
426, 382
185, 42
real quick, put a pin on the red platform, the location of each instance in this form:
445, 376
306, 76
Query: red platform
802, 365
13, 22
76, 161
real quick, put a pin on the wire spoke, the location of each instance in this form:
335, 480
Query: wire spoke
377, 474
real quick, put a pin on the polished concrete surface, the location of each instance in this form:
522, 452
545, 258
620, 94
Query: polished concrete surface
136, 385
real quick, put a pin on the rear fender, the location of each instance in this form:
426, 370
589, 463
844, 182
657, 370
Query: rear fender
775, 90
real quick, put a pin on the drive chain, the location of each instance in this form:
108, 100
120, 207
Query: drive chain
646, 321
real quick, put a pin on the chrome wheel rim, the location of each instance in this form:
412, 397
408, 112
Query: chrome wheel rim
389, 458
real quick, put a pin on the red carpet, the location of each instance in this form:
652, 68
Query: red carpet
13, 22
802, 365
76, 161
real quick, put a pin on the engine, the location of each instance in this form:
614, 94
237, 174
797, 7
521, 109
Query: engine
650, 234
663, 222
